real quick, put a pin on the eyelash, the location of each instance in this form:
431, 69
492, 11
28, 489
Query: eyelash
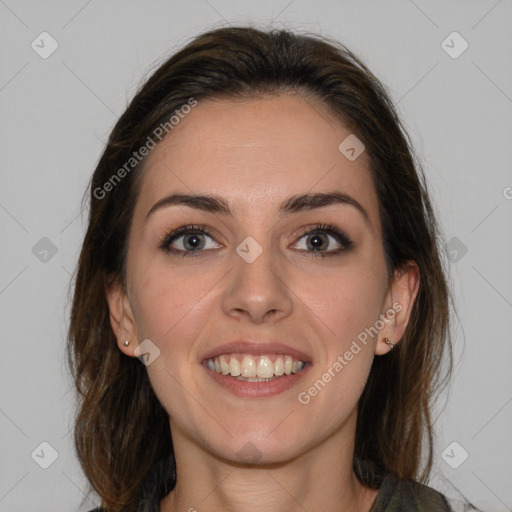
340, 236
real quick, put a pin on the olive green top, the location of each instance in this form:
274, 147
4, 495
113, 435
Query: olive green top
400, 495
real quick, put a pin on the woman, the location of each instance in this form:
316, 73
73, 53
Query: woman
261, 315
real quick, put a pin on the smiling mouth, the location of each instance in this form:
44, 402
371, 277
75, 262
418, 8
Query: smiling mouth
251, 368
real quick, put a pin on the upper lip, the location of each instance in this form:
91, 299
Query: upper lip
255, 348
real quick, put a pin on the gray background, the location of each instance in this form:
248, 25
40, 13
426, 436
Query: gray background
57, 112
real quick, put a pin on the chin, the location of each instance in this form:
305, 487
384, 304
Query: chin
253, 448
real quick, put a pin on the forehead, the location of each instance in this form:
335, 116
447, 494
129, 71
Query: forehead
255, 152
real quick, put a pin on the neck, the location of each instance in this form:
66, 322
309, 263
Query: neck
321, 478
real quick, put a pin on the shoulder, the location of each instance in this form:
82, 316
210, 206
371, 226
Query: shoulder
424, 498
397, 495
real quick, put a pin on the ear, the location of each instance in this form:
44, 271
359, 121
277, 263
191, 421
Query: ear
398, 306
122, 319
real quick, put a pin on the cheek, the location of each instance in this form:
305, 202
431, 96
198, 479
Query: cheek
347, 302
347, 305
167, 302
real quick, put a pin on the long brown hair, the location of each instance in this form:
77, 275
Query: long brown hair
121, 429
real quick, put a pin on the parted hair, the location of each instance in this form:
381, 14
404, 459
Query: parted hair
121, 430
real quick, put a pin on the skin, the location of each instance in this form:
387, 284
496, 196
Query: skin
256, 153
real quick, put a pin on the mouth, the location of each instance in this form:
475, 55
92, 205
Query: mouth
257, 376
250, 368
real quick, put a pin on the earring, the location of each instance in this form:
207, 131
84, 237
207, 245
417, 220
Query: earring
126, 343
388, 341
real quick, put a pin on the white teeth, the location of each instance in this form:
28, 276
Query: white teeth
234, 367
257, 379
279, 366
224, 367
248, 367
297, 366
265, 368
255, 368
288, 365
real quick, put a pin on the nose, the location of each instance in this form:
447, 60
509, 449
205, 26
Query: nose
258, 289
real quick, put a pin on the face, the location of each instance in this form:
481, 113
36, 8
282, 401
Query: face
259, 269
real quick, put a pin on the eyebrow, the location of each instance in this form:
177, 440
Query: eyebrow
297, 203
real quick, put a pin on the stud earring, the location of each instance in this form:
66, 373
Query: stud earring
388, 341
126, 343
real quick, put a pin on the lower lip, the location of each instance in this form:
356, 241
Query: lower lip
257, 389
